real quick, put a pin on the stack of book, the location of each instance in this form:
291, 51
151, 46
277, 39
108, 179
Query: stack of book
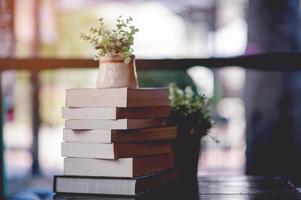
116, 142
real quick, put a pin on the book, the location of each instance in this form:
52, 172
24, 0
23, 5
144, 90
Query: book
113, 186
68, 196
164, 192
116, 113
171, 190
123, 167
117, 97
120, 136
118, 124
114, 150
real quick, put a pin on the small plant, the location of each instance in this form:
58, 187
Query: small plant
116, 41
190, 111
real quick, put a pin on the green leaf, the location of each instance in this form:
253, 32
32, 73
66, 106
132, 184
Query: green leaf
112, 41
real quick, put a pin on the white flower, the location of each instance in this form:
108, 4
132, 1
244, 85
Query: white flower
114, 35
118, 44
125, 38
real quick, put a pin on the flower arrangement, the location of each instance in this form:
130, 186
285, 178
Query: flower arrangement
116, 41
190, 111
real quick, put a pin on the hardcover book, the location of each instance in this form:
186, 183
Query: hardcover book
117, 97
116, 113
114, 150
118, 124
113, 186
123, 167
120, 136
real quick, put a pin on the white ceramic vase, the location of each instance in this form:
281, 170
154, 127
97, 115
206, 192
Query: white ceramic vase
114, 73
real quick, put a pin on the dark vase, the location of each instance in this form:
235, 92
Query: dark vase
187, 151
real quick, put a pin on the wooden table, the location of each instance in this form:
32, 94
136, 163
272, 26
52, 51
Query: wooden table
219, 188
246, 187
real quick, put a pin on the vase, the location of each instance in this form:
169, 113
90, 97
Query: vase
187, 148
114, 73
187, 152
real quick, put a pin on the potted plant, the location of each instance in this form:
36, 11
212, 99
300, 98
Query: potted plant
191, 113
114, 52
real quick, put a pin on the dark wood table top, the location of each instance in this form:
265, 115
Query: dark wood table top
217, 188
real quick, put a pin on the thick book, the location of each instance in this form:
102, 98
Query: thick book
118, 124
113, 186
168, 191
74, 196
120, 136
114, 150
117, 97
116, 113
123, 167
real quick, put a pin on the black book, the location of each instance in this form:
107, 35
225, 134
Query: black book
153, 195
112, 185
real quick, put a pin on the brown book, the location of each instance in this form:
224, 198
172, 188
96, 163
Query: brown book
113, 151
116, 113
120, 136
117, 97
123, 167
119, 124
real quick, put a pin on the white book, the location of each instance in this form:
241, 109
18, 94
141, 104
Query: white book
123, 167
116, 113
119, 124
113, 151
117, 97
120, 136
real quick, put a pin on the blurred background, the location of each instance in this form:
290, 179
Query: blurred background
168, 29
